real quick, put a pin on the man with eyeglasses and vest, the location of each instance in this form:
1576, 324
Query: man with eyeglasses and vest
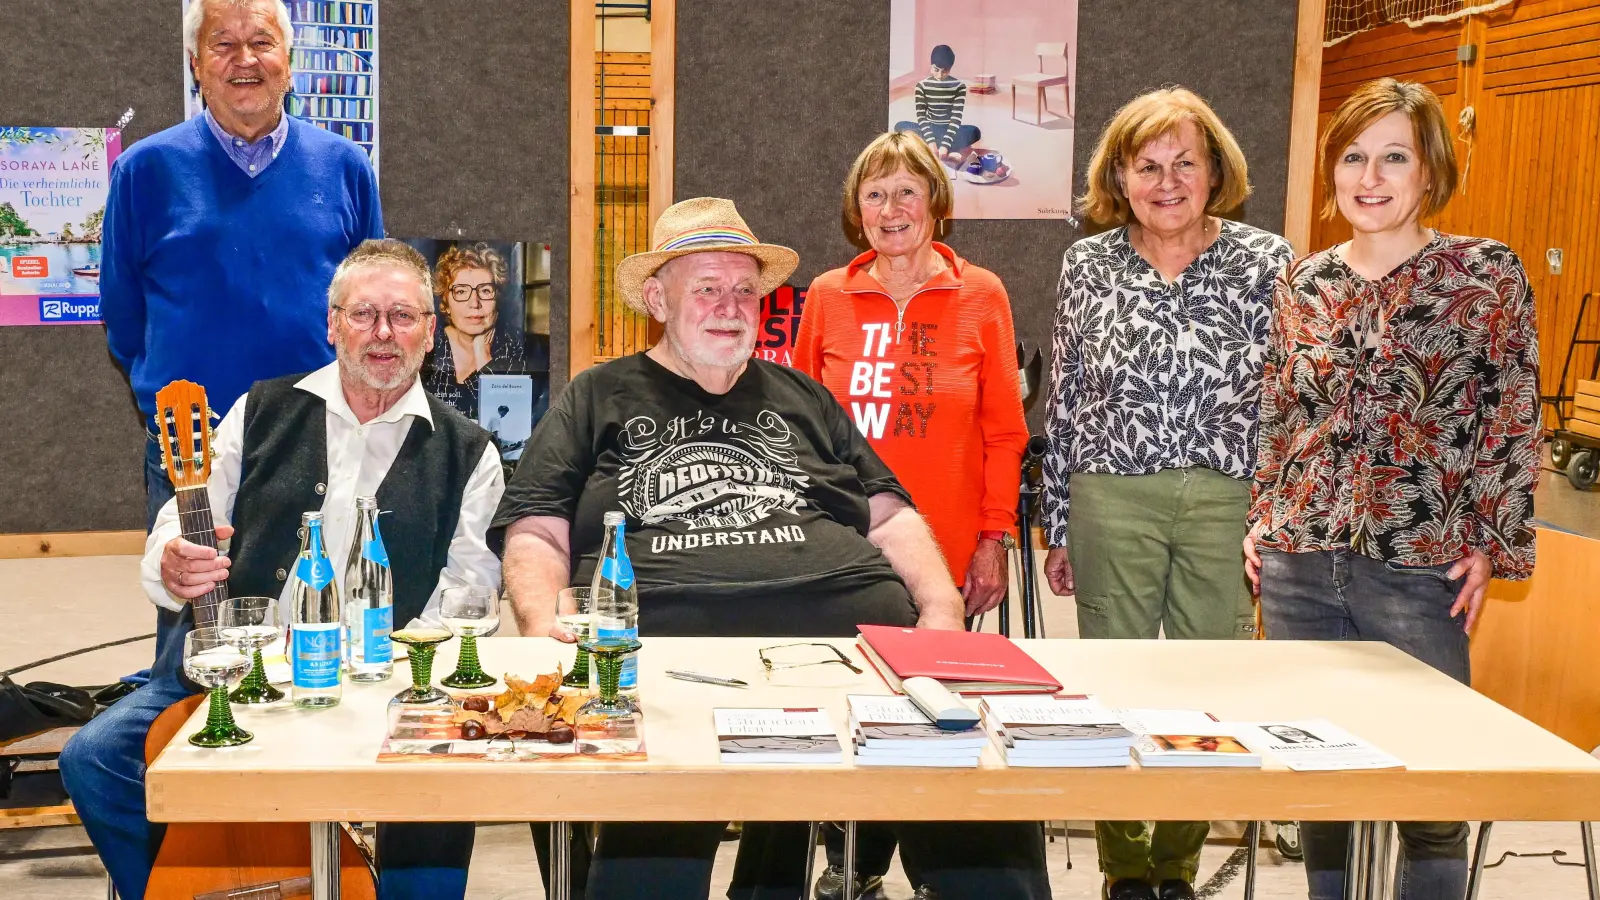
360, 426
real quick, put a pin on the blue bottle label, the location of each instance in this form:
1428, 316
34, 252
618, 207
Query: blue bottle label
316, 571
376, 626
374, 549
630, 666
316, 655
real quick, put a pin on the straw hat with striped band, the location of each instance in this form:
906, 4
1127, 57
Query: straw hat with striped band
701, 225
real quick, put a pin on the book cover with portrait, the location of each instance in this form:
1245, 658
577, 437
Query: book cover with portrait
486, 326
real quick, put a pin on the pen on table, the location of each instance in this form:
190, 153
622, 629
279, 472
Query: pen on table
706, 679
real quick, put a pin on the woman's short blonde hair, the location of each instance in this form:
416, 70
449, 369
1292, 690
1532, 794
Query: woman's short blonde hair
1142, 120
1371, 102
890, 151
458, 258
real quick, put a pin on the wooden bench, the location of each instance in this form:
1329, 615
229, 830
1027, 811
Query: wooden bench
44, 746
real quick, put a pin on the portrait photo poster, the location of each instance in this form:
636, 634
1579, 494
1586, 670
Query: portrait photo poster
992, 86
53, 187
333, 63
480, 330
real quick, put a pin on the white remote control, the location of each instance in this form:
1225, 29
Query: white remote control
939, 704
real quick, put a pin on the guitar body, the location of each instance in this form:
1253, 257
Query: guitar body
197, 859
217, 859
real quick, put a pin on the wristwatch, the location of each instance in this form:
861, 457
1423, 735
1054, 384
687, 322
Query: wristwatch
1003, 538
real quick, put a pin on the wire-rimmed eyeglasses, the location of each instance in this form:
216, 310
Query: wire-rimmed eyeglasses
401, 318
834, 655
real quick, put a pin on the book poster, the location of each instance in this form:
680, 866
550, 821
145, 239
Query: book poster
505, 408
486, 326
333, 61
780, 322
53, 186
991, 85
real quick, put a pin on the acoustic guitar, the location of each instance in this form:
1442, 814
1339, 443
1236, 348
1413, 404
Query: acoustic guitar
216, 861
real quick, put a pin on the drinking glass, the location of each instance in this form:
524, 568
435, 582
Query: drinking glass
469, 611
215, 663
250, 623
420, 642
573, 606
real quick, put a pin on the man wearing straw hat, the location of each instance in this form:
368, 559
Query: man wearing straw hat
754, 508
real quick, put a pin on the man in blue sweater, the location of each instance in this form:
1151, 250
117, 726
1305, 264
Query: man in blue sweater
221, 234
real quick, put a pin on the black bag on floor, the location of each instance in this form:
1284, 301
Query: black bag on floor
40, 706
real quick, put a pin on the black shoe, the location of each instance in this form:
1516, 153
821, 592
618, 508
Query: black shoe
830, 886
1129, 889
1175, 889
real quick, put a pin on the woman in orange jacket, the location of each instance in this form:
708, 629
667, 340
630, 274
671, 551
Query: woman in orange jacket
917, 344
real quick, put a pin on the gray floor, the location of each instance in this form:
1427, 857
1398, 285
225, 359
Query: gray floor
58, 864
104, 604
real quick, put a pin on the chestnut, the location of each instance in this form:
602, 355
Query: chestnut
560, 733
479, 703
472, 730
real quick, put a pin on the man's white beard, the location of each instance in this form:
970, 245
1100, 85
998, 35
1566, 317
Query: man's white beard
725, 359
356, 365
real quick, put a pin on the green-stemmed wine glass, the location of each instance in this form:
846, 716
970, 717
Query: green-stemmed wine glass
215, 663
250, 623
573, 606
420, 642
469, 611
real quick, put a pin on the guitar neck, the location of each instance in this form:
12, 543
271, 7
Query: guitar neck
194, 518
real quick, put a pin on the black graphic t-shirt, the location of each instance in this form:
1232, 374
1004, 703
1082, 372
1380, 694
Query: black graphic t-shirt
747, 511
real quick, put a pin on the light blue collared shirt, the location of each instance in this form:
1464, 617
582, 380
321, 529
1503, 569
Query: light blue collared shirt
252, 158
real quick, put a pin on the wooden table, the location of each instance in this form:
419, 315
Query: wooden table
1467, 757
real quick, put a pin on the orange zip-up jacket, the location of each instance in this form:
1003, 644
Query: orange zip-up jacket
934, 389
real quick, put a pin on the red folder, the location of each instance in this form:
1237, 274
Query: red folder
968, 662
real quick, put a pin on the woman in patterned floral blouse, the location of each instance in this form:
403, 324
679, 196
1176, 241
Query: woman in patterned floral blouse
1399, 431
1158, 338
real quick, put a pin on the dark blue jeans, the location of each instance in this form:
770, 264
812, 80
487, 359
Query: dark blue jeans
1338, 595
102, 767
157, 491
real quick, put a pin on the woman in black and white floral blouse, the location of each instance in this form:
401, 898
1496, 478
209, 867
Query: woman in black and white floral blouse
1399, 431
1152, 426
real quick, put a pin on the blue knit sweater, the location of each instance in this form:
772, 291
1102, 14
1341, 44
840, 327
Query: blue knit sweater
212, 276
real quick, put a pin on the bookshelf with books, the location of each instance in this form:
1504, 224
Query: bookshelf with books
335, 66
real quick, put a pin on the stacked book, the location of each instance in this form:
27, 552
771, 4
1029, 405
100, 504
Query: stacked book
755, 736
1177, 738
1060, 730
891, 731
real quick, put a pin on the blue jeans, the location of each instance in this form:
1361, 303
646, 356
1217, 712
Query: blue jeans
1338, 595
965, 137
157, 491
102, 767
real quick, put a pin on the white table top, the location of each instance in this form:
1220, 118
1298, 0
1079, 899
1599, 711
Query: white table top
1467, 757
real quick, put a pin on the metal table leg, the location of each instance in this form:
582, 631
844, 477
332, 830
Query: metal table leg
560, 887
849, 861
811, 858
1480, 851
1589, 865
324, 861
1252, 837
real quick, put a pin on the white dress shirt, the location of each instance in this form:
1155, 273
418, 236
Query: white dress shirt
359, 456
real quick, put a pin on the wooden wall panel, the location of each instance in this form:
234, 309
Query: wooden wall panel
1536, 641
1531, 167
